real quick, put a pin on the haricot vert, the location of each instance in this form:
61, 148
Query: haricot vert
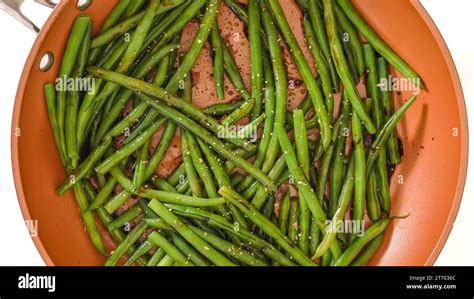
255, 182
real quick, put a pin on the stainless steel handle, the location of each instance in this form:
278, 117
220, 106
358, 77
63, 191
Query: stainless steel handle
13, 8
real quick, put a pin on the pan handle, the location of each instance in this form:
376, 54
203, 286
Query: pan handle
13, 8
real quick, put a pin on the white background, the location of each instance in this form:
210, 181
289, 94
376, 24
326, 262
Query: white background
453, 18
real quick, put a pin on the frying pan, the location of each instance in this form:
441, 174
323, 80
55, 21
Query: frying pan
427, 186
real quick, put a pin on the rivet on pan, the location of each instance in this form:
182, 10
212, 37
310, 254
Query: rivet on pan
83, 4
46, 62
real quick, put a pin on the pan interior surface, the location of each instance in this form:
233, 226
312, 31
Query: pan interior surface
426, 187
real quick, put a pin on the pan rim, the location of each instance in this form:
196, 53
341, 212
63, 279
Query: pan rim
462, 177
464, 129
29, 64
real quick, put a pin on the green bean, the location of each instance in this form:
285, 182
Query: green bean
196, 46
218, 60
192, 254
141, 165
383, 183
222, 109
383, 48
191, 172
305, 105
265, 141
154, 91
321, 65
160, 151
74, 43
78, 32
143, 249
302, 153
351, 34
157, 223
167, 261
192, 126
121, 178
160, 241
104, 217
94, 100
88, 218
116, 31
86, 166
238, 9
302, 184
201, 166
378, 115
256, 61
369, 252
156, 258
223, 223
359, 155
204, 248
186, 16
124, 125
284, 213
392, 143
129, 240
165, 141
266, 226
112, 19
105, 53
235, 179
133, 47
339, 158
342, 68
353, 250
217, 168
110, 33
349, 55
128, 149
262, 192
124, 96
384, 134
143, 204
326, 160
228, 248
177, 175
239, 113
373, 203
135, 7
180, 199
50, 98
160, 26
125, 218
300, 180
116, 201
250, 130
293, 221
301, 141
162, 184
280, 79
162, 70
344, 201
323, 173
305, 71
233, 73
323, 41
315, 234
372, 81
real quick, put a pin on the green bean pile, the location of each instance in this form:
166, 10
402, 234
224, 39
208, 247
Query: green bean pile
217, 207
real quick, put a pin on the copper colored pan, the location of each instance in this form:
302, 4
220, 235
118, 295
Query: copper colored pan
428, 185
